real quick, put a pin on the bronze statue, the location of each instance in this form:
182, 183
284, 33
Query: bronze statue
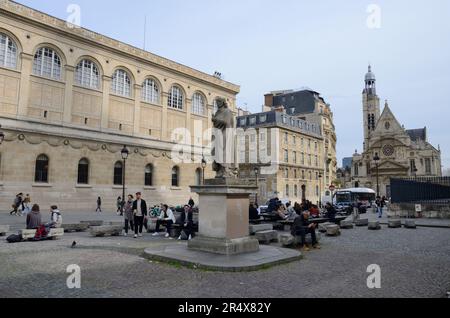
223, 141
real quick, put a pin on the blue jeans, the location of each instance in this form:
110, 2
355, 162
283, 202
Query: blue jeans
380, 211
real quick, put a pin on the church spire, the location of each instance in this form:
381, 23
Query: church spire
370, 80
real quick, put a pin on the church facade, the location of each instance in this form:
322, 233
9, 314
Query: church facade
390, 150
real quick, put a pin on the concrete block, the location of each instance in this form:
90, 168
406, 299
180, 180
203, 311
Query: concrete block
100, 231
92, 223
267, 236
346, 224
81, 227
333, 230
362, 222
253, 228
410, 224
323, 227
374, 225
395, 224
287, 240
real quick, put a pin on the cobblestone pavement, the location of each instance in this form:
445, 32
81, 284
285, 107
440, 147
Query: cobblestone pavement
414, 263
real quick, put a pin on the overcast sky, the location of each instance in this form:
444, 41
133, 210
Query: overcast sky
324, 45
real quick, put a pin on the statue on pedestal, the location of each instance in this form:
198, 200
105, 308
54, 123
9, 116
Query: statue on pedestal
224, 142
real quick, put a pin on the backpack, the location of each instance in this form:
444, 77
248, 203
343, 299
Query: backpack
15, 238
41, 233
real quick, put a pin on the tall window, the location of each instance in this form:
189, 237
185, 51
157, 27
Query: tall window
287, 190
175, 177
118, 173
8, 52
356, 169
198, 176
286, 156
121, 83
83, 171
47, 63
428, 166
176, 98
150, 91
296, 191
41, 174
198, 104
149, 175
87, 74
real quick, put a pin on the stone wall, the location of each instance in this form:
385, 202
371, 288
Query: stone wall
428, 210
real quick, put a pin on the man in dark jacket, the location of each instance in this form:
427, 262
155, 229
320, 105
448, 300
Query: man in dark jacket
331, 212
301, 227
187, 221
139, 212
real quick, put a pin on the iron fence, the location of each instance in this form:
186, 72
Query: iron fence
433, 190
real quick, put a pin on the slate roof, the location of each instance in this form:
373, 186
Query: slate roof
303, 102
417, 134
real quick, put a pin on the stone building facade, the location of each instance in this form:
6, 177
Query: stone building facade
70, 99
288, 152
308, 105
401, 152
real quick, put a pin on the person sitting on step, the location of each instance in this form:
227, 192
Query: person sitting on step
166, 218
301, 227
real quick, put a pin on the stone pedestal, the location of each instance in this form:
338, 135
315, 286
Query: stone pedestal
224, 218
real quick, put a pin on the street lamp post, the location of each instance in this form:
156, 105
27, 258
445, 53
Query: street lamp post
203, 169
320, 190
377, 159
256, 170
125, 152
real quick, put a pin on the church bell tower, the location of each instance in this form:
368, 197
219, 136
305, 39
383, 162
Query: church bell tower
371, 107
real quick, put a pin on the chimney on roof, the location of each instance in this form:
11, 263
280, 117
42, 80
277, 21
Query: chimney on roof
268, 100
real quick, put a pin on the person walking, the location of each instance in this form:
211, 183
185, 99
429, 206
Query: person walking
139, 212
99, 205
128, 215
17, 204
381, 203
119, 205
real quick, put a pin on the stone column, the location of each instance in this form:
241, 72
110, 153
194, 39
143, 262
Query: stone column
25, 83
105, 102
68, 94
164, 124
137, 109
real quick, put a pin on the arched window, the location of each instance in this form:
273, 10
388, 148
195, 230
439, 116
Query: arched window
47, 63
8, 52
176, 98
118, 173
175, 177
150, 91
83, 171
41, 174
149, 175
198, 177
121, 83
87, 74
198, 104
